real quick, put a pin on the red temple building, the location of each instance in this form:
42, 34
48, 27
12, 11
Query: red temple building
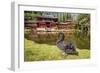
48, 23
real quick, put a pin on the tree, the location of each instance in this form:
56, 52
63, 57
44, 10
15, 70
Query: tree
83, 23
31, 15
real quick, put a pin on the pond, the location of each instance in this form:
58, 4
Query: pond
82, 41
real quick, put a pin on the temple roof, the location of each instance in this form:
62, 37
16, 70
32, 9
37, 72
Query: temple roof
47, 16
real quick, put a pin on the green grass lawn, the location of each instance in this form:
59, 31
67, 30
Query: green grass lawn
39, 52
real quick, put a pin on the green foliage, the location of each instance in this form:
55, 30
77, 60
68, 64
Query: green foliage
30, 15
62, 17
69, 17
83, 23
82, 32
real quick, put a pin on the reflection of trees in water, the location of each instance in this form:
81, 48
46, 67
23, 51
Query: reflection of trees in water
50, 38
82, 40
46, 37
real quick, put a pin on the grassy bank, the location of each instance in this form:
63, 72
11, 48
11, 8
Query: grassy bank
37, 52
